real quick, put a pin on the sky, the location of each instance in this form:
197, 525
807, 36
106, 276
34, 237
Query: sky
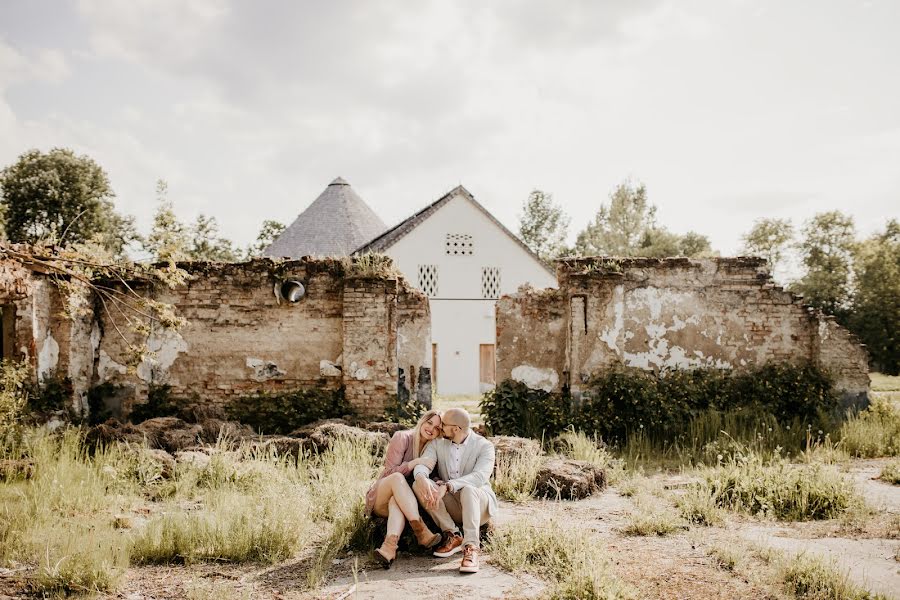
727, 110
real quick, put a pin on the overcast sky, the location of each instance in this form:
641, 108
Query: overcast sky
728, 110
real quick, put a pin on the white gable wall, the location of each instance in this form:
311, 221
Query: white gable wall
461, 319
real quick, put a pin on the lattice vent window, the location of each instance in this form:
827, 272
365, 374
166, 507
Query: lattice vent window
428, 279
459, 243
490, 282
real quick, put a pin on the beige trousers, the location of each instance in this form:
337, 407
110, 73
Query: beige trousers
467, 507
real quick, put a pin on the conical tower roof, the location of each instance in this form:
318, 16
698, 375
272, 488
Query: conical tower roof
335, 224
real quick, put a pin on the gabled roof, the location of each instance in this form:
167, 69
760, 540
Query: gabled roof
336, 223
395, 233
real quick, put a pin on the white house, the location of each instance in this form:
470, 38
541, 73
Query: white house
454, 250
464, 259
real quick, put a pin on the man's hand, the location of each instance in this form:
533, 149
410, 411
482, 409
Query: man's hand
441, 492
429, 491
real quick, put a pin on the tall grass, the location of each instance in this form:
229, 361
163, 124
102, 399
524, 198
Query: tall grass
515, 473
580, 446
812, 579
891, 472
873, 432
569, 557
778, 488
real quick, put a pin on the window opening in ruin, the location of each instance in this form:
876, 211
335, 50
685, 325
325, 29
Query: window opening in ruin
428, 280
7, 331
490, 282
456, 244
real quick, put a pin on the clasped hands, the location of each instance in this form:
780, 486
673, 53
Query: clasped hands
432, 492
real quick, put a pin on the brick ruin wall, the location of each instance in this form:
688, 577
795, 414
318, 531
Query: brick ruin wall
369, 335
667, 313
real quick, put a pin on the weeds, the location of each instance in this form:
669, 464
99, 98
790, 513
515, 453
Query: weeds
810, 578
515, 473
891, 472
699, 508
570, 558
579, 446
873, 432
652, 516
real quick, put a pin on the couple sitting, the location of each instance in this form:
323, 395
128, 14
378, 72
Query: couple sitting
459, 493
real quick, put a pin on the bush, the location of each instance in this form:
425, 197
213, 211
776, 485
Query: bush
512, 408
891, 472
664, 406
159, 404
808, 577
284, 412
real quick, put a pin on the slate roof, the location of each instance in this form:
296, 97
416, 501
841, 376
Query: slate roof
390, 237
335, 224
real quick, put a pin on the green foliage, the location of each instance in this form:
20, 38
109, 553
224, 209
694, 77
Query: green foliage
61, 197
826, 250
282, 412
543, 225
206, 245
159, 404
14, 378
53, 393
891, 472
169, 240
512, 408
268, 233
627, 227
619, 400
770, 239
876, 301
809, 578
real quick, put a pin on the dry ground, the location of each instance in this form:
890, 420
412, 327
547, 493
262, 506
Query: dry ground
673, 566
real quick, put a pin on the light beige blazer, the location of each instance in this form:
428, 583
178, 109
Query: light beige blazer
475, 467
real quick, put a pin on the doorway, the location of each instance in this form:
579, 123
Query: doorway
486, 372
7, 331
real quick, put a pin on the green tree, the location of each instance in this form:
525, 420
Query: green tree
268, 233
627, 227
543, 225
770, 239
169, 240
621, 227
876, 301
826, 251
61, 198
206, 245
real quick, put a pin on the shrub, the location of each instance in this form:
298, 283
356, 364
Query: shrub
699, 508
512, 408
282, 412
53, 393
159, 404
873, 432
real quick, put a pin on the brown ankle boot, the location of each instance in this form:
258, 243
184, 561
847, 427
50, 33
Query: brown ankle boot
388, 551
423, 534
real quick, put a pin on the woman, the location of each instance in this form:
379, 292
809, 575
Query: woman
391, 495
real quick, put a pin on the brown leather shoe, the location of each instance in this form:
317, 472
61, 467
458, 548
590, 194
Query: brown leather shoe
470, 560
424, 535
388, 551
451, 545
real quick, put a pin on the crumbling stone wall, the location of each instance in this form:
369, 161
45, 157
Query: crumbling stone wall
241, 336
666, 313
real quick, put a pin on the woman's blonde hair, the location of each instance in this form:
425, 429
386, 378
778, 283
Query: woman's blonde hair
417, 432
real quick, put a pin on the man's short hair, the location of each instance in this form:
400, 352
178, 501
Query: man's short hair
457, 416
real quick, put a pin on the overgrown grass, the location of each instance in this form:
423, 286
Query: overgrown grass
78, 522
873, 432
652, 516
580, 446
570, 558
891, 472
810, 578
778, 488
515, 473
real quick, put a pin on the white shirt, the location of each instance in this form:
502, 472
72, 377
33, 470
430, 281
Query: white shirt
455, 460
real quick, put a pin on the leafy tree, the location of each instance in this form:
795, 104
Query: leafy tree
876, 315
694, 244
770, 239
267, 234
621, 227
543, 225
826, 251
206, 245
169, 240
63, 198
627, 227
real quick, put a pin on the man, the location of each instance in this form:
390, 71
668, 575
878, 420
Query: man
465, 463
